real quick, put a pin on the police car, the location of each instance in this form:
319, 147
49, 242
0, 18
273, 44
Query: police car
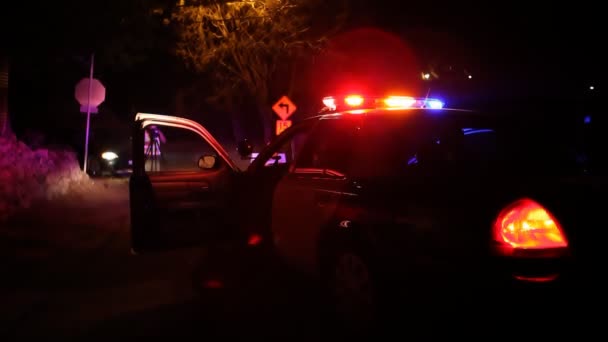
394, 203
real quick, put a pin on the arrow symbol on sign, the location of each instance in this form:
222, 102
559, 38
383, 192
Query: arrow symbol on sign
286, 106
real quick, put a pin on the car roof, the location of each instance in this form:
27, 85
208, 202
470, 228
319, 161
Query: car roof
516, 116
382, 112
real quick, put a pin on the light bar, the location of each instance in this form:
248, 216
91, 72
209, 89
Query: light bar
399, 101
354, 100
434, 104
329, 103
359, 102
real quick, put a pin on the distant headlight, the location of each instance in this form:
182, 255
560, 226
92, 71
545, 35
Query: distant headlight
109, 156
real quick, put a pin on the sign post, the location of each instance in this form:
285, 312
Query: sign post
90, 93
86, 139
284, 108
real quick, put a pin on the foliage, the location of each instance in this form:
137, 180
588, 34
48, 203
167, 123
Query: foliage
251, 47
136, 33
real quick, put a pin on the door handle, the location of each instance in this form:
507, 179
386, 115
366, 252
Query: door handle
198, 186
198, 190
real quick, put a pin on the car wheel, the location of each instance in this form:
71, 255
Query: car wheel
352, 292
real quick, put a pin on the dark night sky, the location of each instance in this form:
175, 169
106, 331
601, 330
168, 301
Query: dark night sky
514, 35
529, 47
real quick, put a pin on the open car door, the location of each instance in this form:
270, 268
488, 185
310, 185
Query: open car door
182, 185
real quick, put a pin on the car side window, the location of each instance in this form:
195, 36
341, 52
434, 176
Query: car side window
172, 149
479, 145
284, 154
330, 148
382, 147
288, 151
435, 149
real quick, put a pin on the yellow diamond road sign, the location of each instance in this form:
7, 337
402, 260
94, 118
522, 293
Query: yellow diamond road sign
284, 108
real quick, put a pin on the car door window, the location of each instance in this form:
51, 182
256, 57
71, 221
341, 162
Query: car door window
329, 149
170, 149
439, 147
479, 146
287, 151
399, 147
384, 146
283, 153
512, 149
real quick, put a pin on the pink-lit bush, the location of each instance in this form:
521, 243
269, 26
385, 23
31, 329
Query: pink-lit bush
28, 175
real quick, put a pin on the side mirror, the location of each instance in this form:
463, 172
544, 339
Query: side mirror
207, 162
244, 148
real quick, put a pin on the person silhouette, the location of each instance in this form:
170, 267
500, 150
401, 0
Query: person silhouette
153, 137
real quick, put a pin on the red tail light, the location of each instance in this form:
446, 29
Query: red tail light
525, 224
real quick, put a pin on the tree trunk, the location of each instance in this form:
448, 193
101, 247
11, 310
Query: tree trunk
266, 114
179, 105
5, 128
237, 126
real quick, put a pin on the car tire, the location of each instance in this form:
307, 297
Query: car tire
230, 272
351, 290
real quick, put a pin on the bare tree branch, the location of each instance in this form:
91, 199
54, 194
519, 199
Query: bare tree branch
243, 43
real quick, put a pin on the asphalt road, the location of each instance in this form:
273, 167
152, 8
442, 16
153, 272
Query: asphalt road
68, 273
67, 269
